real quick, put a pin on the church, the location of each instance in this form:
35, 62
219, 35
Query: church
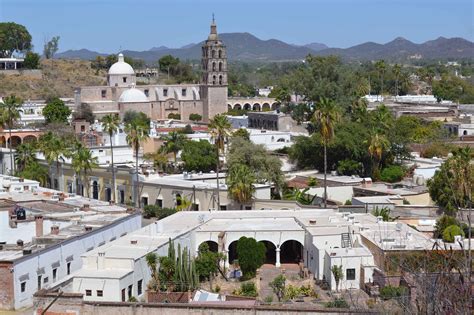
121, 93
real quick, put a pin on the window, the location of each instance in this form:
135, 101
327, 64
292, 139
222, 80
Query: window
159, 203
220, 80
146, 92
88, 292
55, 274
83, 128
68, 268
350, 274
103, 93
223, 207
165, 92
213, 53
213, 66
195, 207
23, 286
214, 79
220, 53
124, 79
46, 280
183, 92
144, 201
123, 295
100, 293
130, 291
139, 287
220, 66
39, 281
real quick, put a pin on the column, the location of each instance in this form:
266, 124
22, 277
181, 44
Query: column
226, 262
277, 260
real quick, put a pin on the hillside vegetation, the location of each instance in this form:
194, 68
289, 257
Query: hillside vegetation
59, 79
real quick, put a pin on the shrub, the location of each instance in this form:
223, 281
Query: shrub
450, 232
31, 60
390, 292
174, 116
292, 292
278, 286
337, 303
348, 167
155, 211
312, 181
348, 202
268, 299
392, 173
195, 117
217, 288
442, 223
306, 290
247, 289
436, 149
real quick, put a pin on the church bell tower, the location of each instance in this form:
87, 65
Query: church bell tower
214, 75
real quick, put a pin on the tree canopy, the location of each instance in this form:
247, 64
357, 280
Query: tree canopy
251, 255
56, 111
14, 38
199, 156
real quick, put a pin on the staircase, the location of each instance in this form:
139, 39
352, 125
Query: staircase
346, 241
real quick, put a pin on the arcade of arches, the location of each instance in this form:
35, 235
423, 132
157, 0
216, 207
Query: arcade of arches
17, 138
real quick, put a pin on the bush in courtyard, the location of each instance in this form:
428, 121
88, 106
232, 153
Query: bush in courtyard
278, 286
174, 116
195, 117
155, 211
450, 232
337, 303
442, 223
390, 292
247, 289
251, 255
392, 173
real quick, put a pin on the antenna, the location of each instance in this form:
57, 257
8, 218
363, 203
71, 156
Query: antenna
213, 20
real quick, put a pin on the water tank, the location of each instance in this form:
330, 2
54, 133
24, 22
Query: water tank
420, 180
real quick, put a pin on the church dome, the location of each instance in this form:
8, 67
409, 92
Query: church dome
133, 95
121, 67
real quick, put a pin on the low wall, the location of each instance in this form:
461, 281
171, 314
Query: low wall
168, 297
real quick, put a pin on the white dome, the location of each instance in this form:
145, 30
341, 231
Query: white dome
133, 95
121, 67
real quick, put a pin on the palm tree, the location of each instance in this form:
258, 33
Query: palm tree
136, 134
152, 262
25, 155
378, 144
83, 162
380, 66
240, 182
174, 142
158, 158
54, 149
9, 113
326, 116
35, 171
396, 71
110, 124
219, 129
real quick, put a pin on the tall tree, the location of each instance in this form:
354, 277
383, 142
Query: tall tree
378, 145
158, 158
220, 130
54, 149
381, 66
51, 47
110, 124
326, 116
9, 113
56, 111
25, 155
136, 134
396, 71
83, 162
13, 38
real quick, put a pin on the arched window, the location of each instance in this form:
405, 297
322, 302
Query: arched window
213, 53
213, 66
220, 80
213, 79
220, 65
220, 53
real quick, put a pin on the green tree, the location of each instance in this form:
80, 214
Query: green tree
136, 134
384, 213
83, 162
31, 60
14, 38
51, 47
54, 149
392, 173
326, 116
9, 114
173, 143
396, 71
442, 223
278, 286
381, 66
132, 116
243, 133
338, 274
240, 183
56, 111
378, 145
35, 171
84, 112
158, 158
110, 125
25, 155
251, 255
168, 63
152, 262
453, 88
199, 156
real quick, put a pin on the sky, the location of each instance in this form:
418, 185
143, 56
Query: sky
113, 25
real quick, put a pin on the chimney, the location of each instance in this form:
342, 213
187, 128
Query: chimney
86, 207
88, 228
21, 179
55, 230
39, 225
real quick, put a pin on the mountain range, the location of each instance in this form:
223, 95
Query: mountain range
247, 47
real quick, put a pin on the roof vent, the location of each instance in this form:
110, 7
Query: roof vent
133, 242
312, 222
26, 252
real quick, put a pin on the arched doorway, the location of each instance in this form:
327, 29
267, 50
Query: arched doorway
15, 140
237, 107
256, 107
3, 142
275, 106
247, 106
291, 251
29, 139
266, 107
270, 254
232, 251
213, 246
95, 190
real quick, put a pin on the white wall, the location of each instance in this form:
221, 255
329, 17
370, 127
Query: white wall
74, 248
347, 262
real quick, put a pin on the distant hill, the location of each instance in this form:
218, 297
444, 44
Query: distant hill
246, 47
